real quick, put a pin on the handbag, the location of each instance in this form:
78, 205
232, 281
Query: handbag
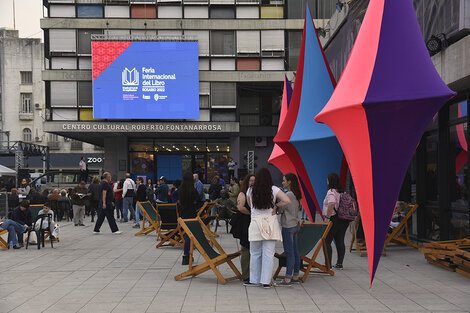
268, 226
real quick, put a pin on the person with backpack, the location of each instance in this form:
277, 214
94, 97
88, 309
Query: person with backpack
337, 232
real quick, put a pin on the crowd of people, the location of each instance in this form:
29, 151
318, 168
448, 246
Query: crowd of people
253, 206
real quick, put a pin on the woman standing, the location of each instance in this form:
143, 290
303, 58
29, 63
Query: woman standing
234, 189
244, 208
150, 191
290, 229
263, 229
338, 230
187, 203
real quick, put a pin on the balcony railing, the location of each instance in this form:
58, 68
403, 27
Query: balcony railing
76, 145
53, 145
26, 116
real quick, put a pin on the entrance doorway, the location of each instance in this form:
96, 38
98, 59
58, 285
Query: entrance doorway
172, 160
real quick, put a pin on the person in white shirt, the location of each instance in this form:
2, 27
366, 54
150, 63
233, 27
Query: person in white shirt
83, 169
128, 194
262, 198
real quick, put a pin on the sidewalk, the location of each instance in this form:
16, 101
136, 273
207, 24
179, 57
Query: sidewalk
124, 273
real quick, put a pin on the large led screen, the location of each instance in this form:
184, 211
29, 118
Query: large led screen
145, 80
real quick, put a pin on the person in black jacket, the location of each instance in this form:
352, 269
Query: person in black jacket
188, 205
22, 215
13, 201
94, 191
141, 196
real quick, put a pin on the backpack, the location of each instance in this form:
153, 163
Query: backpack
347, 209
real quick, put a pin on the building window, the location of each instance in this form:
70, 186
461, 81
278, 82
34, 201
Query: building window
63, 93
85, 98
62, 40
226, 12
27, 136
222, 42
90, 11
26, 99
84, 40
143, 11
295, 39
26, 78
223, 95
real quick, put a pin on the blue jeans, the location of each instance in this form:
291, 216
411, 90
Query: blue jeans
187, 245
127, 203
118, 204
137, 214
15, 231
289, 241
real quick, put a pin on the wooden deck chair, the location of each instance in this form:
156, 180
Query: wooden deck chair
168, 228
355, 245
3, 242
196, 230
150, 214
205, 214
396, 235
310, 235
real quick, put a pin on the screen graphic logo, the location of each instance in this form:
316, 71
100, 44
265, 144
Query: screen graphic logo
130, 78
145, 80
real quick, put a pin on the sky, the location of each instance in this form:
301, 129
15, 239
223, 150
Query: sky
28, 14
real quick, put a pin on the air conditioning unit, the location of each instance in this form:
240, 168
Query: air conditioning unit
261, 141
38, 139
37, 106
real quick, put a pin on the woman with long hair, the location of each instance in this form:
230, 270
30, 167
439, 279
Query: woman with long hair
290, 228
245, 209
339, 227
187, 202
262, 231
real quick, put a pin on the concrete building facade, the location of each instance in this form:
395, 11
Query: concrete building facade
245, 48
22, 100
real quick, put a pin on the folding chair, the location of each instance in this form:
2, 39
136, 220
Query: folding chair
3, 243
309, 236
396, 235
168, 228
196, 230
35, 208
150, 214
41, 233
204, 214
355, 245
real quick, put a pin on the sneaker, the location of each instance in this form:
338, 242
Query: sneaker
117, 232
266, 286
136, 226
248, 284
296, 281
338, 266
76, 225
16, 247
96, 232
283, 283
21, 244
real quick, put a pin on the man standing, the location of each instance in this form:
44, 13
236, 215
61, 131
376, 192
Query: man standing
128, 193
162, 190
22, 215
106, 208
231, 168
83, 169
79, 198
141, 196
199, 187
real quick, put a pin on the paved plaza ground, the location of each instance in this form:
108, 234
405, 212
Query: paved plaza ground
124, 273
